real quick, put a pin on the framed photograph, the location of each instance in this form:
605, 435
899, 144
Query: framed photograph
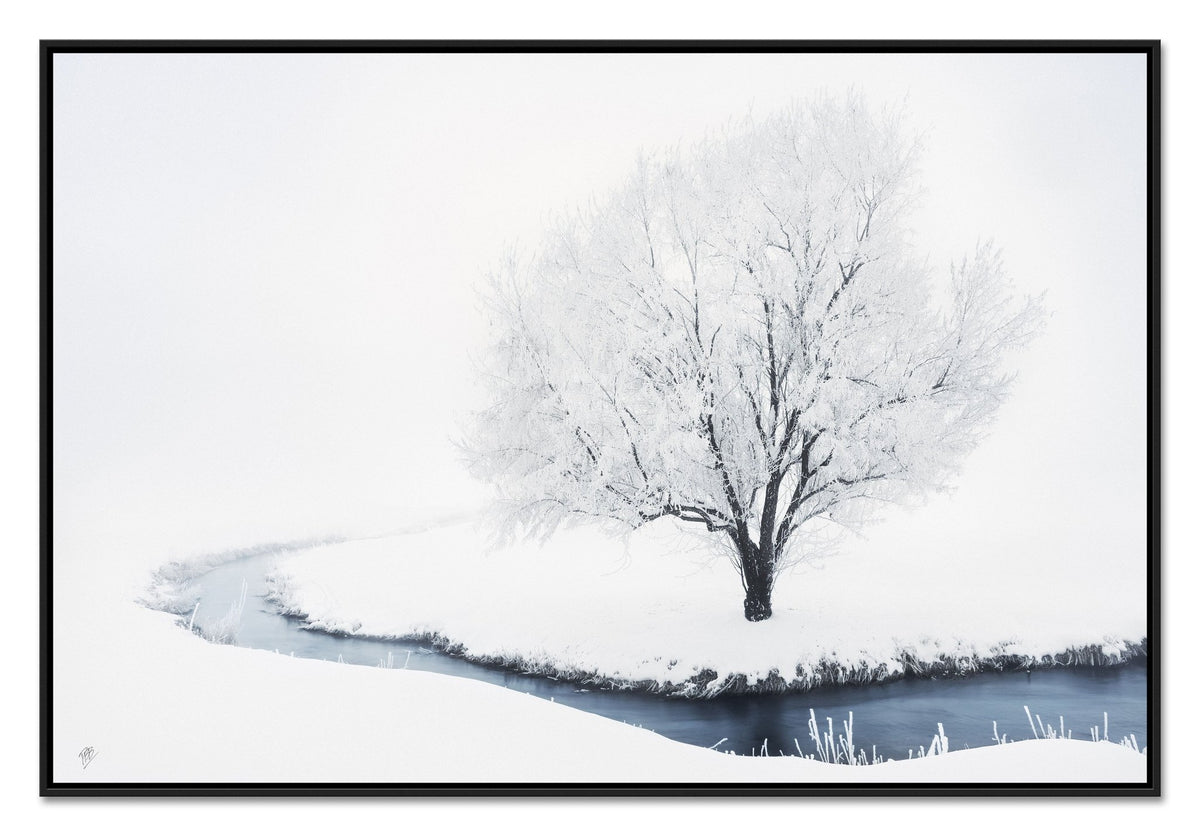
600, 418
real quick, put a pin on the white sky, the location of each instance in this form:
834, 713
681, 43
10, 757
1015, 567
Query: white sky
264, 266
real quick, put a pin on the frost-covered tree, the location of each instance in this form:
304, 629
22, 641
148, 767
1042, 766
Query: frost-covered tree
743, 337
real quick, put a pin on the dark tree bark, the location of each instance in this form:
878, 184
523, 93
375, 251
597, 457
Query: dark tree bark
758, 576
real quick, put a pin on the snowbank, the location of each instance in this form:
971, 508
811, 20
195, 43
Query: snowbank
158, 704
173, 707
658, 610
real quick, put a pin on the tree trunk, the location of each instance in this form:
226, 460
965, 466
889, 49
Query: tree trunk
758, 603
757, 575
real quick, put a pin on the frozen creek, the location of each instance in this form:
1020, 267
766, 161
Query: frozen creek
893, 717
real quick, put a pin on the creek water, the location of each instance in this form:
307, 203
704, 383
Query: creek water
894, 717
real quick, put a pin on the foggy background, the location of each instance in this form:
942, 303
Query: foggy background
264, 271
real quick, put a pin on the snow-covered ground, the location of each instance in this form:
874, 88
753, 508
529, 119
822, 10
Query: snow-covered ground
660, 608
189, 710
157, 703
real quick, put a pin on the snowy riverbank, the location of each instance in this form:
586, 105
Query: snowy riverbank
658, 611
156, 703
194, 711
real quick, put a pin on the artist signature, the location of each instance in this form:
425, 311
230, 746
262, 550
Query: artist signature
86, 755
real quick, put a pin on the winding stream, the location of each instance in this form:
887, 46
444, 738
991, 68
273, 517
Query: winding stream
894, 717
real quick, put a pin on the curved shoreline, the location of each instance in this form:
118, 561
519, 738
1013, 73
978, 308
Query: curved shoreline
171, 590
168, 585
748, 713
707, 683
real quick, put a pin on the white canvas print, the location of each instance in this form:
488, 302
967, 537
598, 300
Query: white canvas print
460, 418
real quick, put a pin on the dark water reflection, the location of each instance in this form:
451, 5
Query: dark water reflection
895, 717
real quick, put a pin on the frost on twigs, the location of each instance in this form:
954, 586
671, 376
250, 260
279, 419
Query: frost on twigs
743, 336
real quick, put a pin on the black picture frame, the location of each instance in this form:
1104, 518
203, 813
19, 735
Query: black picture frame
1152, 787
